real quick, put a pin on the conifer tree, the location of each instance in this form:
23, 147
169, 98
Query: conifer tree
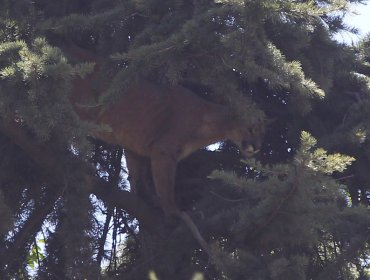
299, 210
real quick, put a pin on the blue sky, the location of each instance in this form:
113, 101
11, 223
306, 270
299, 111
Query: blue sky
361, 20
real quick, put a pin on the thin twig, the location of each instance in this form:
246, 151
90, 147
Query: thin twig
278, 207
227, 199
196, 233
345, 177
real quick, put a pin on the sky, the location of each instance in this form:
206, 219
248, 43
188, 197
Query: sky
360, 20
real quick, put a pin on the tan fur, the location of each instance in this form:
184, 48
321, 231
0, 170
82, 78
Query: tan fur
164, 124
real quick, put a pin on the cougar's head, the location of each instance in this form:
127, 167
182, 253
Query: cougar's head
249, 138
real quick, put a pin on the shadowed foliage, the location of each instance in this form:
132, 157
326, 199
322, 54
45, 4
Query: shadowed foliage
298, 210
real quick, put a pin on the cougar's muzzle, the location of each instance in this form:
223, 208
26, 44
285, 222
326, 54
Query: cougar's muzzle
249, 149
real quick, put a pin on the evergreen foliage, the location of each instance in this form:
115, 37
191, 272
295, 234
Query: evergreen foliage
299, 210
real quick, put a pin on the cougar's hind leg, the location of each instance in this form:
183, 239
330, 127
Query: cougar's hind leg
163, 171
138, 173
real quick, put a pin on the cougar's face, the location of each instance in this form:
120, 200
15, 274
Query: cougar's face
249, 139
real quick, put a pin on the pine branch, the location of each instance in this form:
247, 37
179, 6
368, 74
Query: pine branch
29, 230
277, 209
